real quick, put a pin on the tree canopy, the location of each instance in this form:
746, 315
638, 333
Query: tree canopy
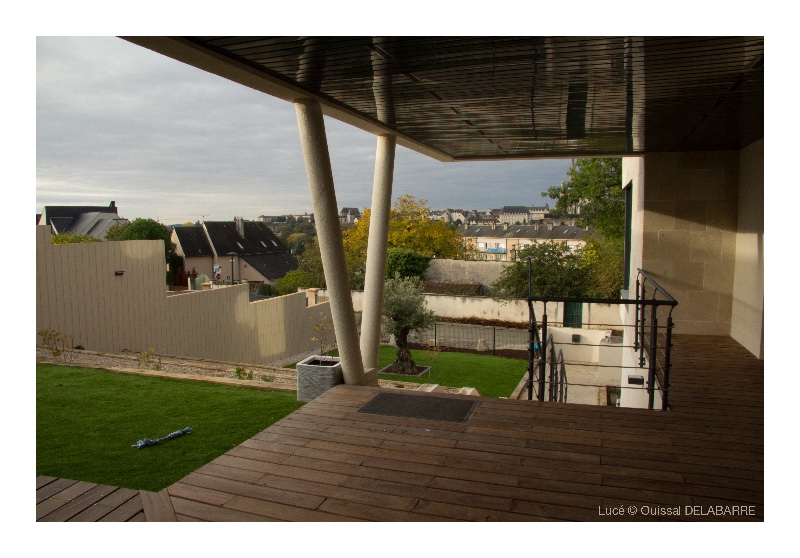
403, 312
410, 227
149, 229
594, 192
406, 263
413, 240
555, 271
143, 229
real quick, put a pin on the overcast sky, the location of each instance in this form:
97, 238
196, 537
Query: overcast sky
115, 121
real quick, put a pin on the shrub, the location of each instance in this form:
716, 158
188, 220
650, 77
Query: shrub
59, 345
241, 374
149, 359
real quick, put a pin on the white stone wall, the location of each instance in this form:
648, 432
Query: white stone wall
689, 234
747, 311
462, 271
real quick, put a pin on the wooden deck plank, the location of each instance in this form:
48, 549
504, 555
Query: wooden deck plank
454, 512
79, 503
406, 453
198, 494
42, 480
94, 512
118, 497
279, 512
127, 511
352, 510
318, 468
283, 469
187, 519
207, 512
402, 503
486, 501
48, 506
54, 488
157, 506
433, 470
294, 499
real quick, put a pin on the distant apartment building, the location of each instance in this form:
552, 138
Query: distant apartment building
80, 219
284, 218
349, 215
235, 250
439, 215
503, 242
520, 214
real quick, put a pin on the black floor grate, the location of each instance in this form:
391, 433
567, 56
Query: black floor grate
419, 407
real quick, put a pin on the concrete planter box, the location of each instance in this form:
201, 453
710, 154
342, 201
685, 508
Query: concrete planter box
316, 375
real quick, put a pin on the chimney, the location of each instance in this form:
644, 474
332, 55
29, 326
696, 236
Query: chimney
505, 226
494, 225
239, 225
112, 204
536, 226
550, 226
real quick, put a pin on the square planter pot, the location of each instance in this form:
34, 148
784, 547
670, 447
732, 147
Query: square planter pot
316, 375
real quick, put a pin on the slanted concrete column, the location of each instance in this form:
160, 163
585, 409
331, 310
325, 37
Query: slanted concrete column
376, 251
329, 236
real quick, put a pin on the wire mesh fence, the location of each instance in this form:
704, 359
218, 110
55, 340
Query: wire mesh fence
493, 340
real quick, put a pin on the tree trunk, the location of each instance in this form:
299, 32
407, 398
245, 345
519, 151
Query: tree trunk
404, 363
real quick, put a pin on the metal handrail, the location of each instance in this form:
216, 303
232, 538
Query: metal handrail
644, 285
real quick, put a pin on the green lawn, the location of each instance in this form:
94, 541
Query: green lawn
87, 421
491, 376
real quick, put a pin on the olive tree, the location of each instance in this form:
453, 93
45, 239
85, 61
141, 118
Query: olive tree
404, 312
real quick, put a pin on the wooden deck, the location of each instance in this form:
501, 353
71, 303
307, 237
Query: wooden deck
510, 461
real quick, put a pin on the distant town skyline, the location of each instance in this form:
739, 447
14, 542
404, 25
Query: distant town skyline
115, 121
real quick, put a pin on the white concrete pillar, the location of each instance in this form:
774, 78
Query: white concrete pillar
329, 236
376, 251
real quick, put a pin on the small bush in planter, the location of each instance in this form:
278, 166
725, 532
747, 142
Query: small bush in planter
323, 333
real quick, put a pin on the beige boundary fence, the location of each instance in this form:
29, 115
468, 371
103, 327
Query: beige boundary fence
111, 297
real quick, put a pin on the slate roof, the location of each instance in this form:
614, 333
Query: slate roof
80, 219
60, 224
73, 211
559, 232
515, 209
258, 238
272, 266
193, 242
95, 223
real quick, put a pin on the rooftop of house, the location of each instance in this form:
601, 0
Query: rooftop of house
73, 211
193, 241
515, 209
258, 238
272, 266
558, 232
80, 219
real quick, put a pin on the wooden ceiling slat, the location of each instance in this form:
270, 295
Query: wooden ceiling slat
456, 93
